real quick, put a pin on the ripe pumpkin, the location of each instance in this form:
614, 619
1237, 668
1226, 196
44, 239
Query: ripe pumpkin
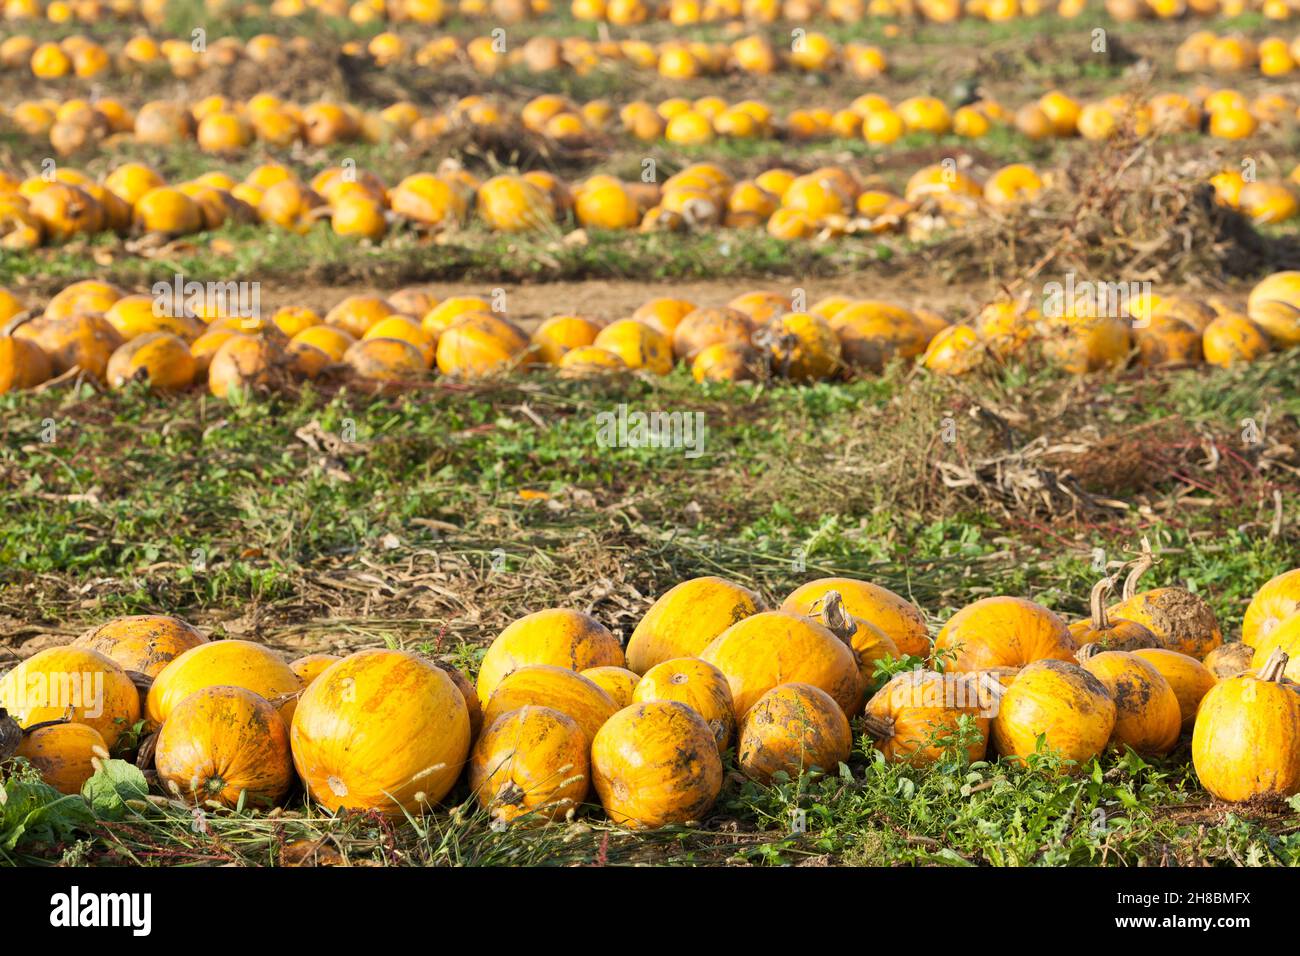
544, 685
145, 643
587, 360
556, 636
380, 730
730, 362
638, 345
242, 364
686, 619
225, 744
1272, 604
243, 664
901, 621
1183, 621
76, 341
466, 688
1062, 703
533, 762
74, 682
1232, 339
1286, 637
386, 360
1230, 659
479, 343
23, 364
655, 764
705, 327
1002, 632
1190, 679
63, 753
159, 358
1099, 633
777, 647
1147, 714
697, 684
618, 682
1246, 743
911, 718
311, 666
804, 347
868, 643
790, 728
561, 334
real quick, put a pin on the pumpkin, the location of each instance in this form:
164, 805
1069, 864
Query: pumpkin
1272, 604
243, 664
159, 358
561, 334
914, 718
655, 764
777, 647
311, 666
23, 364
790, 728
1274, 305
618, 682
544, 685
74, 682
1246, 743
1002, 632
1183, 621
145, 643
358, 314
899, 619
530, 762
63, 753
1190, 679
705, 327
225, 744
386, 359
242, 364
555, 636
804, 347
76, 341
697, 684
380, 730
1287, 637
1230, 659
1059, 701
874, 333
638, 345
1148, 717
512, 204
587, 360
868, 643
466, 688
1232, 339
686, 619
479, 343
168, 211
331, 341
663, 314
1099, 633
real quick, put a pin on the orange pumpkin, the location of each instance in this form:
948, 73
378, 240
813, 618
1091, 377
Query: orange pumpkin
1230, 660
242, 364
142, 642
23, 364
1059, 702
777, 647
697, 684
900, 620
74, 682
556, 636
1246, 743
543, 685
308, 668
83, 341
1183, 621
1190, 679
63, 753
1147, 714
530, 762
243, 664
1002, 632
1099, 633
705, 327
1272, 604
618, 682
918, 715
225, 744
380, 730
791, 728
655, 764
686, 619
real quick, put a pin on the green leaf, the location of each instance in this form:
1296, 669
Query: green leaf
36, 811
115, 782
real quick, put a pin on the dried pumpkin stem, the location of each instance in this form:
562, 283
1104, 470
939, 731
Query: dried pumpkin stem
878, 728
1140, 567
1097, 602
836, 617
1274, 666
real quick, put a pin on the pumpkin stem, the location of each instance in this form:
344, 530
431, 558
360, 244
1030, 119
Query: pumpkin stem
1145, 562
1274, 666
878, 728
1097, 602
837, 619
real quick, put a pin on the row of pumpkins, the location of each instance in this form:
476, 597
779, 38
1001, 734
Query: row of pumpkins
95, 328
560, 708
1272, 56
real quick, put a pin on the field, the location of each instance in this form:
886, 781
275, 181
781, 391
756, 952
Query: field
336, 512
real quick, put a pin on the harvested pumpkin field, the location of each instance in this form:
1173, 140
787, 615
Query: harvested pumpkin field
649, 432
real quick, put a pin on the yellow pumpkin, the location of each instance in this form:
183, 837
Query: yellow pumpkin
1230, 659
1190, 679
145, 643
618, 682
899, 619
1060, 702
1002, 632
686, 619
777, 647
1147, 714
1272, 604
1274, 305
380, 730
638, 345
705, 327
1183, 621
792, 728
63, 753
86, 342
561, 334
242, 364
23, 364
479, 344
159, 358
243, 664
917, 716
544, 685
70, 681
559, 637
697, 684
530, 763
868, 643
655, 764
311, 666
1233, 340
804, 347
1246, 743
